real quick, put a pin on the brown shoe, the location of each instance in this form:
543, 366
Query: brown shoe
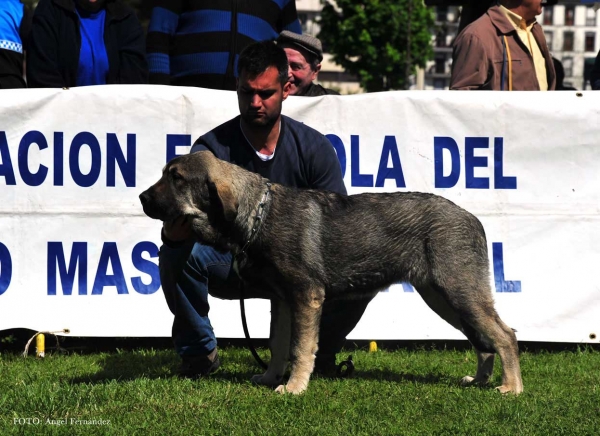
199, 366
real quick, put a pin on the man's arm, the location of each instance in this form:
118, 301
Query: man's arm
132, 53
42, 51
163, 24
325, 170
469, 63
175, 251
289, 18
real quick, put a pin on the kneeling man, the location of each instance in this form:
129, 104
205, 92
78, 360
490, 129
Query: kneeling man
281, 149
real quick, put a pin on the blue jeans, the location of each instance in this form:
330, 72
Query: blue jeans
210, 271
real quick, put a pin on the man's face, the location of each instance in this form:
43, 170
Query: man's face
530, 9
260, 98
300, 75
534, 7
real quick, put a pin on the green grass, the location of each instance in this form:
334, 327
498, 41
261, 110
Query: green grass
392, 392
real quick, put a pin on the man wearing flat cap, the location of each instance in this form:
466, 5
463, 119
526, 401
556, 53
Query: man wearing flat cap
304, 53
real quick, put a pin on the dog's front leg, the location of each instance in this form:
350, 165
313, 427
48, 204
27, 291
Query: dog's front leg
306, 314
279, 344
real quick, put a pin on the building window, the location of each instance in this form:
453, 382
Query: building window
568, 41
441, 37
548, 36
442, 14
303, 18
590, 41
439, 84
569, 15
590, 16
548, 15
440, 65
568, 66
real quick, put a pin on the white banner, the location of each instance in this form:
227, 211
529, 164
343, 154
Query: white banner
77, 252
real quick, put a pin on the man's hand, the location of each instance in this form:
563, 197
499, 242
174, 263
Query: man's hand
179, 229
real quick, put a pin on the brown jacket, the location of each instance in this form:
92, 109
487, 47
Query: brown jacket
478, 56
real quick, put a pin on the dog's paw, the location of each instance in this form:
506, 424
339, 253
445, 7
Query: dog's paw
265, 380
290, 388
471, 381
504, 389
467, 380
280, 389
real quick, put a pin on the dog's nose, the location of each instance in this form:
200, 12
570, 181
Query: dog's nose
144, 198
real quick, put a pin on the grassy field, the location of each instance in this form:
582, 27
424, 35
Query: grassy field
402, 392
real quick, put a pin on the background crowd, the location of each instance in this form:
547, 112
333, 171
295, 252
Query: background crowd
68, 43
257, 48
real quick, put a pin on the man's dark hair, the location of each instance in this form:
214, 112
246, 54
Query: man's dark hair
258, 56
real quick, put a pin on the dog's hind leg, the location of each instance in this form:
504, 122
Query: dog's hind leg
480, 322
435, 299
279, 344
306, 314
485, 369
502, 339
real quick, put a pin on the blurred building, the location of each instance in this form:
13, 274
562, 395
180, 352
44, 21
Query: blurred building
572, 32
332, 75
437, 71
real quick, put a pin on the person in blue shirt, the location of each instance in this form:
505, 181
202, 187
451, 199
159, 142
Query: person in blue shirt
281, 149
197, 43
85, 42
15, 21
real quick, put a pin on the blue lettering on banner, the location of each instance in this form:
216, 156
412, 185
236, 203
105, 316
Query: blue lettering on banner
115, 157
499, 282
81, 139
32, 179
406, 287
384, 172
390, 150
78, 263
5, 268
174, 141
340, 150
146, 267
6, 167
356, 178
501, 181
472, 161
498, 261
109, 254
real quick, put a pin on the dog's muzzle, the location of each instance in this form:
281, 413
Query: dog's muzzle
149, 205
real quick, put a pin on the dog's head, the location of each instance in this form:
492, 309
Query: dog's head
197, 185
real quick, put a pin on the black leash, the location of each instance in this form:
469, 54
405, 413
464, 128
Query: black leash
346, 367
344, 370
245, 326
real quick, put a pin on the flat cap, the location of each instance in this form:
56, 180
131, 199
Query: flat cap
306, 42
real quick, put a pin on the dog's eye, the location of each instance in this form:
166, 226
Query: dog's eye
176, 175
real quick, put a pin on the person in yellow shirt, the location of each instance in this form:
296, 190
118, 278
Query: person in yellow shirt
504, 50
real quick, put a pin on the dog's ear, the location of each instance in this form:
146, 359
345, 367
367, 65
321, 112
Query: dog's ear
222, 190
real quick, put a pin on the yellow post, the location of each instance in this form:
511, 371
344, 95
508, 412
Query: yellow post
40, 345
372, 347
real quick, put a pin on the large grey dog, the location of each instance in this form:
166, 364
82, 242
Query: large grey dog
303, 246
